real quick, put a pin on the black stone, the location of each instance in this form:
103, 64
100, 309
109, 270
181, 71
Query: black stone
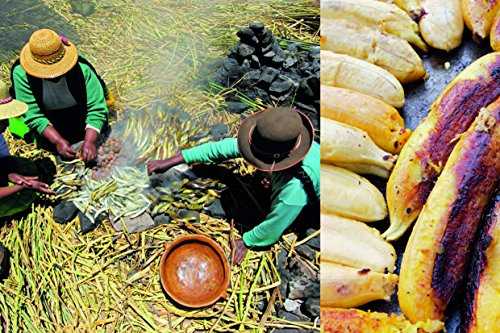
236, 107
219, 131
281, 84
257, 27
262, 94
4, 262
190, 215
268, 75
292, 316
292, 47
255, 61
252, 77
315, 243
65, 212
267, 38
269, 54
86, 224
311, 307
312, 290
278, 60
306, 251
245, 34
162, 219
289, 62
246, 66
267, 48
245, 50
215, 209
230, 64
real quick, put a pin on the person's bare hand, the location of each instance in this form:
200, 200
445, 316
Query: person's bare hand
89, 151
158, 166
65, 150
39, 187
239, 250
20, 180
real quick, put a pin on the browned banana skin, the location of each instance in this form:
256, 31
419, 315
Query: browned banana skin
479, 261
477, 179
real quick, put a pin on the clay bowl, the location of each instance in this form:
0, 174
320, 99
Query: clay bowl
194, 271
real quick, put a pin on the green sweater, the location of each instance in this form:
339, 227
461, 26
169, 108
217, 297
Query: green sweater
288, 193
36, 120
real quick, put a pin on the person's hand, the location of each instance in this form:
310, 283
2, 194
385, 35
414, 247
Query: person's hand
239, 250
64, 149
157, 166
89, 151
20, 180
40, 187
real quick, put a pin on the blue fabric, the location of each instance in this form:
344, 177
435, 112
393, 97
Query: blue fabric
4, 149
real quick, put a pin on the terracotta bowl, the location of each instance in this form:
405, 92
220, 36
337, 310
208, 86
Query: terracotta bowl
194, 271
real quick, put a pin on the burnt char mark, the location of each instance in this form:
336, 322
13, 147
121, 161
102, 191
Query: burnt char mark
457, 110
479, 261
476, 173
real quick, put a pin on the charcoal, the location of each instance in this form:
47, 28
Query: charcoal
292, 47
314, 243
311, 307
252, 77
278, 60
292, 316
257, 27
230, 64
267, 48
262, 94
219, 131
290, 62
268, 74
269, 54
245, 34
281, 85
246, 66
305, 89
306, 251
267, 38
236, 107
255, 61
245, 50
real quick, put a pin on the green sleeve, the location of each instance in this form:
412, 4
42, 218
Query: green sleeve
212, 152
97, 110
34, 117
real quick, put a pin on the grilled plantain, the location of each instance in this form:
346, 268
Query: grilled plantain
412, 7
345, 287
495, 33
354, 244
367, 43
442, 24
381, 121
346, 194
479, 15
437, 252
482, 301
335, 320
427, 150
351, 148
387, 18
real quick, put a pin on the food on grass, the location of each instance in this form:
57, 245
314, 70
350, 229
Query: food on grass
424, 155
387, 18
482, 302
343, 71
354, 244
438, 250
345, 287
351, 148
495, 33
335, 320
367, 43
381, 121
346, 194
479, 15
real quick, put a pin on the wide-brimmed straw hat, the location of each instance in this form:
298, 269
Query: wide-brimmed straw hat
275, 139
48, 55
9, 107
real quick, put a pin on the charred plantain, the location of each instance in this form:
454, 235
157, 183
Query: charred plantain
495, 33
423, 156
479, 15
437, 252
482, 301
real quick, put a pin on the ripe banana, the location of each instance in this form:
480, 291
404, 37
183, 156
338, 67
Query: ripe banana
479, 15
482, 302
386, 18
346, 287
495, 33
437, 252
344, 71
346, 194
381, 121
422, 158
351, 148
337, 320
354, 244
367, 43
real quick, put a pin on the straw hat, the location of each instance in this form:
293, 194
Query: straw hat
275, 139
9, 107
48, 55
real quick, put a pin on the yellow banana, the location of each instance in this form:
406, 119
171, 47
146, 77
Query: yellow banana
346, 194
387, 18
438, 250
338, 320
346, 287
479, 15
351, 148
482, 301
495, 33
343, 71
381, 121
423, 156
367, 43
354, 244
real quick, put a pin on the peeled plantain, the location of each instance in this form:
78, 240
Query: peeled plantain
367, 43
354, 244
479, 15
346, 194
423, 156
495, 33
437, 252
346, 287
351, 148
387, 18
381, 121
412, 7
343, 71
482, 301
335, 320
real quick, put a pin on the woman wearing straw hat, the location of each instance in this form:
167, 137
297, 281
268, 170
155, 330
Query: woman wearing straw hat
65, 96
278, 141
12, 198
